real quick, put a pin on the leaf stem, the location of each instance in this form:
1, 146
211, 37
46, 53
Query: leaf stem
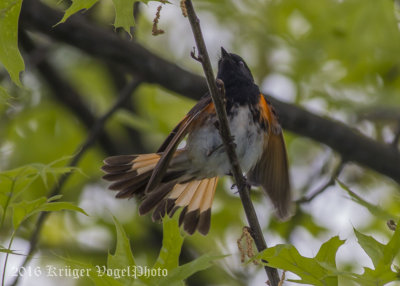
6, 259
7, 202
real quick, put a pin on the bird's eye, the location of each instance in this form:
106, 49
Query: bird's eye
241, 64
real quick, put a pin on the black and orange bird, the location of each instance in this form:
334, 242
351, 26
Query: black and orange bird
186, 178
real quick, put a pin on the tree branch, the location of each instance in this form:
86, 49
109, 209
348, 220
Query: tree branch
134, 58
65, 93
322, 189
218, 99
90, 140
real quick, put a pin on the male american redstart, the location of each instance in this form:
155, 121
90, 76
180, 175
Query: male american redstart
186, 178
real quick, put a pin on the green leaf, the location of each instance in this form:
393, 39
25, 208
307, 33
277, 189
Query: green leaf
14, 182
179, 274
392, 248
286, 257
375, 210
76, 6
25, 209
326, 257
171, 245
327, 252
382, 257
319, 271
54, 198
94, 273
59, 206
105, 280
122, 256
124, 14
10, 56
373, 248
4, 96
9, 251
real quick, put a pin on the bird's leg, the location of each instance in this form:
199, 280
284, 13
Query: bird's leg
234, 185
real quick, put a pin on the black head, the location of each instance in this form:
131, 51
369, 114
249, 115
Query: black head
232, 69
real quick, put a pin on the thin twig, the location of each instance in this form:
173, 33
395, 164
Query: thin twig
227, 140
62, 90
90, 140
322, 189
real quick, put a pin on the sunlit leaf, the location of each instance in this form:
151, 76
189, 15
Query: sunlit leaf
379, 276
393, 247
320, 270
4, 96
105, 280
179, 274
122, 257
327, 252
94, 272
9, 251
58, 206
76, 6
14, 181
124, 14
373, 248
171, 246
375, 210
10, 56
25, 209
382, 257
54, 198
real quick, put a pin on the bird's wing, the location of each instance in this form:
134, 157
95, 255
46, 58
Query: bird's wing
194, 118
271, 171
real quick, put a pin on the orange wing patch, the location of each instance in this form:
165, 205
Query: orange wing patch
210, 108
268, 114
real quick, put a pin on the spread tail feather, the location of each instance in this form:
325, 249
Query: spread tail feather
195, 197
130, 175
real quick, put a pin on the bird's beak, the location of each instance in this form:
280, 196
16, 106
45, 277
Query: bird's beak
224, 53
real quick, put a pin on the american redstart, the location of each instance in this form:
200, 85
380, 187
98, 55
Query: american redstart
186, 178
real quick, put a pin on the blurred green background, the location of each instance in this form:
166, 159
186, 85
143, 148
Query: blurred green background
338, 59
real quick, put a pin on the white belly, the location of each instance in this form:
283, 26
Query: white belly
206, 155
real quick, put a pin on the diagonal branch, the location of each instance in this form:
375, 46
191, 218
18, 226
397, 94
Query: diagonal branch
64, 92
90, 140
218, 99
329, 183
69, 97
105, 45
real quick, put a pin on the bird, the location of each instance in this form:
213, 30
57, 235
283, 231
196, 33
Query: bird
176, 177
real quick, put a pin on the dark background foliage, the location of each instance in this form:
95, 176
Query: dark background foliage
331, 67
